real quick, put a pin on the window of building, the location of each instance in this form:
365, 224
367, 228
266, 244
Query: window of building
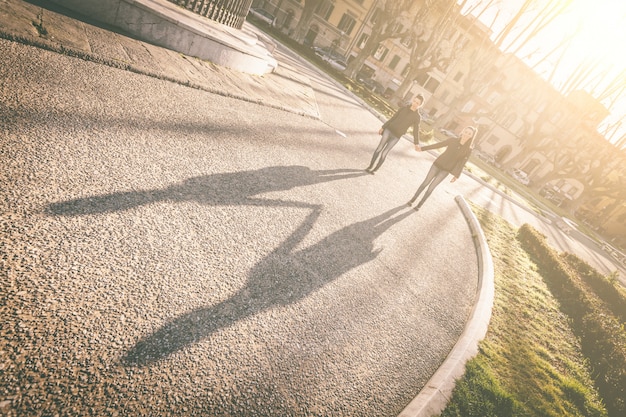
311, 34
509, 120
531, 165
493, 97
458, 76
572, 191
431, 85
288, 18
422, 78
407, 41
394, 62
468, 107
375, 16
363, 40
381, 52
325, 9
406, 69
346, 24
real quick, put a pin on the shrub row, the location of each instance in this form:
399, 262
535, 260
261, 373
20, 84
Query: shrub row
603, 338
608, 290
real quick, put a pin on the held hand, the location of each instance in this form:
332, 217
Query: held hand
380, 131
453, 179
418, 148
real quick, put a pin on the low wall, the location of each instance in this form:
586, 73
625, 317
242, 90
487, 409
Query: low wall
165, 24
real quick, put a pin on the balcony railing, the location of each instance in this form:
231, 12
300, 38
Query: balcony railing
228, 12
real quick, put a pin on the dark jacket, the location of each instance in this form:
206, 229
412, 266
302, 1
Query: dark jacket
455, 156
402, 120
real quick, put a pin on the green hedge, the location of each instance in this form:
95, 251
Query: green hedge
609, 291
603, 338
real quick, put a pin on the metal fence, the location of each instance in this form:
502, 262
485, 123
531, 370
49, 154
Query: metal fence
228, 12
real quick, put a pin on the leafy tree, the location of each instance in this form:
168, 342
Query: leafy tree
431, 47
388, 24
531, 18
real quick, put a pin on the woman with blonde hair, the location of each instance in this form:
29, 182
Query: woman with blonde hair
451, 161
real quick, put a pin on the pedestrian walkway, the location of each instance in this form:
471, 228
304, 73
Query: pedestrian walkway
317, 257
61, 30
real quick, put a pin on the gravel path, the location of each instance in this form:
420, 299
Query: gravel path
167, 251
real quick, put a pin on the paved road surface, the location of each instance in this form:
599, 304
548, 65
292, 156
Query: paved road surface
167, 251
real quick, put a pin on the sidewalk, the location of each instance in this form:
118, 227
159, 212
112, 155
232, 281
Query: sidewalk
45, 27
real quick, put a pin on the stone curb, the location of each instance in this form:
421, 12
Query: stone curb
436, 394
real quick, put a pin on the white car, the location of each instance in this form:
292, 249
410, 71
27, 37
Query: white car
261, 15
448, 133
566, 225
520, 176
615, 253
485, 157
333, 59
336, 63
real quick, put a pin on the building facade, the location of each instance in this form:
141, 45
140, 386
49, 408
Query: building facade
524, 122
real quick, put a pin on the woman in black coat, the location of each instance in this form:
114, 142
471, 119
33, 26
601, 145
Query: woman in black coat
451, 161
394, 128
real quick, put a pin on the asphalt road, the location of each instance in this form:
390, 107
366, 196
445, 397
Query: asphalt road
517, 212
168, 251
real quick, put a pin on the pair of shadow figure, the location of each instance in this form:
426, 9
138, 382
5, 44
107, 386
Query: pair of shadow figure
224, 189
283, 277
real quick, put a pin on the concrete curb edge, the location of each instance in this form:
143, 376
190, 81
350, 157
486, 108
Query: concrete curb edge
435, 395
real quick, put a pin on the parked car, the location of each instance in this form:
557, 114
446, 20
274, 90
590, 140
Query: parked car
565, 224
615, 253
262, 16
426, 117
485, 157
373, 86
519, 176
448, 133
333, 59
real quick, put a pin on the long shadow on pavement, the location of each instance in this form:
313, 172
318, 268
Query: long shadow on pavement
282, 278
236, 188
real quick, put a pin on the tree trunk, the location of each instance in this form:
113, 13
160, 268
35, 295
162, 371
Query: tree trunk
306, 17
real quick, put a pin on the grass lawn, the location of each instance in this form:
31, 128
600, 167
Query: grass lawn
530, 363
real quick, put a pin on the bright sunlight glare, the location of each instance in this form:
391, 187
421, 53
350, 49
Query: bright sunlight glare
598, 27
595, 31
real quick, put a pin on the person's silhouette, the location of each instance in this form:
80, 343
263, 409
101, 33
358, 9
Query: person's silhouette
236, 188
283, 277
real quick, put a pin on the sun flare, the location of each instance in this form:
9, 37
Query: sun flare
599, 28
